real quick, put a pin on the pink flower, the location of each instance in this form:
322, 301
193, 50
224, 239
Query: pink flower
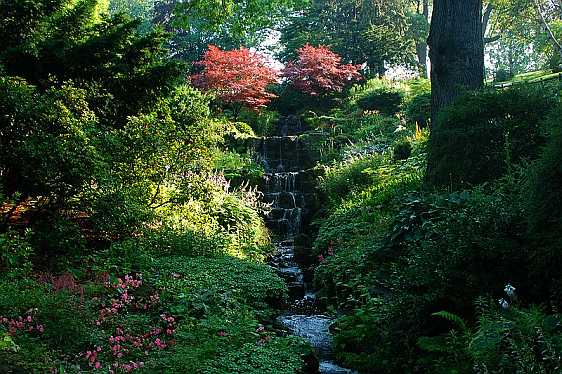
97, 365
221, 333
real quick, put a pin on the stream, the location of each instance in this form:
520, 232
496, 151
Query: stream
289, 186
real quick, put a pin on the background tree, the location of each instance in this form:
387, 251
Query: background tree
318, 71
370, 31
237, 77
531, 25
142, 10
419, 22
95, 114
227, 24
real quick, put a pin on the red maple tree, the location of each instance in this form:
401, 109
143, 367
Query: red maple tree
239, 76
318, 71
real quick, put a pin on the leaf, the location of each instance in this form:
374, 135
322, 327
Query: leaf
452, 318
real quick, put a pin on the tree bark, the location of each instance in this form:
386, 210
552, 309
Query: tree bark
456, 50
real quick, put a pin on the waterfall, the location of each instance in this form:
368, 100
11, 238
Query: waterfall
289, 186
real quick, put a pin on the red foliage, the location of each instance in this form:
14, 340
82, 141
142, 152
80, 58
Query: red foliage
319, 71
237, 77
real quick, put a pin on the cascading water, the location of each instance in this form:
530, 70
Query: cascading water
288, 188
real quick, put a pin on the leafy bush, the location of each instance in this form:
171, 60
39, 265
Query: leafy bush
546, 182
213, 284
402, 150
60, 315
517, 340
484, 133
232, 342
380, 95
263, 123
502, 75
15, 253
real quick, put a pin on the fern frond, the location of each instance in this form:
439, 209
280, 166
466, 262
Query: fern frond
452, 318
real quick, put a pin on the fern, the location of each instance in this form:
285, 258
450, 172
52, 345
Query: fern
452, 318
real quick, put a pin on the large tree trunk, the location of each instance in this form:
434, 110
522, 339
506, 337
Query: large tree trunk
456, 50
421, 47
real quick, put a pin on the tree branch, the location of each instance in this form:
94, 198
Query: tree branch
551, 35
486, 18
492, 39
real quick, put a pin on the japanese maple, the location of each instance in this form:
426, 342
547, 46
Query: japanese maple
238, 76
319, 71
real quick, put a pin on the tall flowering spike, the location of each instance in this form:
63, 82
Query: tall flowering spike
319, 71
239, 76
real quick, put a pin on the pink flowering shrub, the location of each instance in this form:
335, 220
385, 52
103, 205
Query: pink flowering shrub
25, 324
125, 350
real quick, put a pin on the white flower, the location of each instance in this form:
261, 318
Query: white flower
509, 290
503, 303
399, 129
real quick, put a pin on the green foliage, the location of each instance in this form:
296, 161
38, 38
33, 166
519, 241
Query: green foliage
360, 215
113, 165
228, 343
519, 340
402, 150
204, 286
54, 235
227, 24
263, 123
15, 253
51, 153
380, 95
375, 33
417, 108
544, 190
483, 134
219, 333
62, 314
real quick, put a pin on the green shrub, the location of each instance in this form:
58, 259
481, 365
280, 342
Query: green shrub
340, 179
263, 123
54, 235
440, 254
401, 150
484, 133
382, 96
15, 253
502, 75
418, 110
120, 213
545, 191
228, 343
517, 340
62, 315
209, 285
